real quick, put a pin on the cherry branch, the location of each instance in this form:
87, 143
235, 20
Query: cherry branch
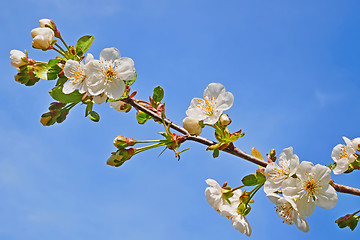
231, 149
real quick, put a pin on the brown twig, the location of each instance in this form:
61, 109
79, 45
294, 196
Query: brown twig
230, 149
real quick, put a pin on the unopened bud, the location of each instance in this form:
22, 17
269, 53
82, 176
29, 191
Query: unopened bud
225, 120
50, 24
192, 126
43, 38
17, 57
118, 158
120, 106
123, 142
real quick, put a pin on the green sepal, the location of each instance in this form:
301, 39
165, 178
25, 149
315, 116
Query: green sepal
131, 81
142, 117
83, 44
158, 94
57, 94
94, 116
250, 180
332, 166
243, 209
348, 221
53, 62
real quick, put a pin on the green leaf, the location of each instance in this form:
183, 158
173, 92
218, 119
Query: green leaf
250, 180
131, 81
44, 71
158, 94
83, 44
142, 117
256, 153
57, 94
94, 116
260, 178
61, 81
88, 109
216, 153
53, 62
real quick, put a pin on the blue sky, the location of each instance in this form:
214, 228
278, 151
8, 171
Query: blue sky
293, 68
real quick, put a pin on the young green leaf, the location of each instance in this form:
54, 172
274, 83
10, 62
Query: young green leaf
158, 94
142, 117
94, 116
57, 94
250, 180
84, 43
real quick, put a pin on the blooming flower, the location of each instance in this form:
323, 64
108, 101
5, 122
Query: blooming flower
215, 101
286, 209
16, 58
42, 38
276, 174
192, 126
310, 186
215, 197
344, 155
109, 73
75, 72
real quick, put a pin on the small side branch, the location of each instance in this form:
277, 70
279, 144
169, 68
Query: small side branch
230, 149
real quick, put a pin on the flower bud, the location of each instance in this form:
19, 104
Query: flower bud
123, 142
43, 38
46, 23
192, 126
225, 120
16, 57
118, 158
120, 106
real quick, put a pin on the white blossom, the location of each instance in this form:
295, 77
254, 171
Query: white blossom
344, 155
215, 197
287, 210
311, 186
42, 38
192, 126
109, 73
15, 57
215, 101
276, 173
75, 72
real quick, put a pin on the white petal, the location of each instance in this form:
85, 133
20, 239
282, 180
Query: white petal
213, 118
70, 87
99, 99
115, 89
321, 173
301, 223
125, 68
327, 197
224, 101
271, 187
273, 197
336, 152
341, 166
213, 183
304, 169
306, 206
109, 54
89, 58
214, 90
291, 187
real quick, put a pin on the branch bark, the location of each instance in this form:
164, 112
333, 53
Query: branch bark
231, 149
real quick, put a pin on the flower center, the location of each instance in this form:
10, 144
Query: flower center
207, 105
279, 173
77, 74
343, 153
286, 212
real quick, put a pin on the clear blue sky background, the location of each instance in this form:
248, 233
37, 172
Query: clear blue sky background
293, 67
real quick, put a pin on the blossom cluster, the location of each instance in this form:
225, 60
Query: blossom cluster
296, 188
345, 155
226, 202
